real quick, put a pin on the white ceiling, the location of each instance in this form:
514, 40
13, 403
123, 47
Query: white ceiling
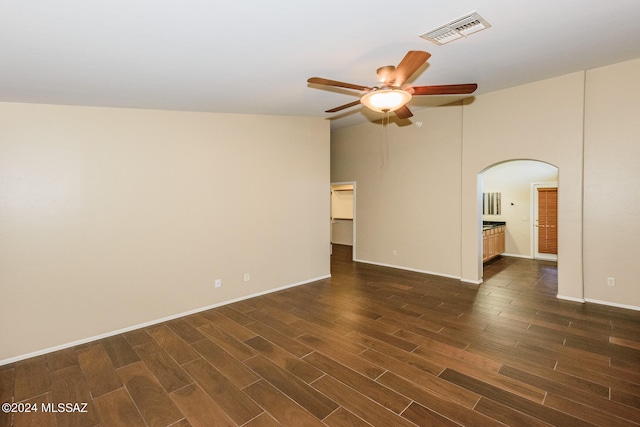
254, 56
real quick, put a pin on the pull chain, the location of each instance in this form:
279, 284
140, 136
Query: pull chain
385, 139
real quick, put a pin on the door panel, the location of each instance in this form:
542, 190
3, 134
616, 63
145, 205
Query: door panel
547, 222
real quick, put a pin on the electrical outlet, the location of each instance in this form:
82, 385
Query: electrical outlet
395, 252
611, 281
218, 283
246, 277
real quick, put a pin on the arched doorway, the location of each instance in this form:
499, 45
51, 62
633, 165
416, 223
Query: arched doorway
516, 184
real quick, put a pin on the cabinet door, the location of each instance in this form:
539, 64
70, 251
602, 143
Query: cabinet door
493, 247
501, 240
485, 246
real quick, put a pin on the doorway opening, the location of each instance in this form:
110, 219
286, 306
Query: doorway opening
343, 215
526, 190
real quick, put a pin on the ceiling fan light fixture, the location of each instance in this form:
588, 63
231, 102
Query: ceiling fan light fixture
385, 100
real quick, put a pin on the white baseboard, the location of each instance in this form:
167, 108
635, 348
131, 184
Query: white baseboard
612, 304
555, 259
152, 322
517, 255
567, 298
595, 301
399, 267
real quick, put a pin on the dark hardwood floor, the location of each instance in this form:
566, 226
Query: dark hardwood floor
370, 346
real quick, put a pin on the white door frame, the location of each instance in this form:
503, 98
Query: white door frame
534, 217
353, 250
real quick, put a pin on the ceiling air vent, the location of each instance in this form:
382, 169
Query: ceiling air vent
457, 29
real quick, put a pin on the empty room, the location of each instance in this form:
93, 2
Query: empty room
341, 214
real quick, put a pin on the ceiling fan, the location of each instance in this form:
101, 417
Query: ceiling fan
390, 94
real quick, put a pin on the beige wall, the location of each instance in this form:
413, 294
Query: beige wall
612, 184
408, 190
420, 192
112, 218
539, 121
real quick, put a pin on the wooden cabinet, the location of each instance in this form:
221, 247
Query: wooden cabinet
492, 243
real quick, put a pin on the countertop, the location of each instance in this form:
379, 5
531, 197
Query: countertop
488, 225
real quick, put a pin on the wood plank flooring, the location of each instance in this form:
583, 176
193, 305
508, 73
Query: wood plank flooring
370, 346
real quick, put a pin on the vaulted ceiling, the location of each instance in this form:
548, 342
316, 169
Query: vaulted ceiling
255, 56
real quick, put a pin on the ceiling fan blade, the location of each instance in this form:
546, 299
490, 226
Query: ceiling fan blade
327, 82
342, 107
413, 60
403, 112
444, 89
